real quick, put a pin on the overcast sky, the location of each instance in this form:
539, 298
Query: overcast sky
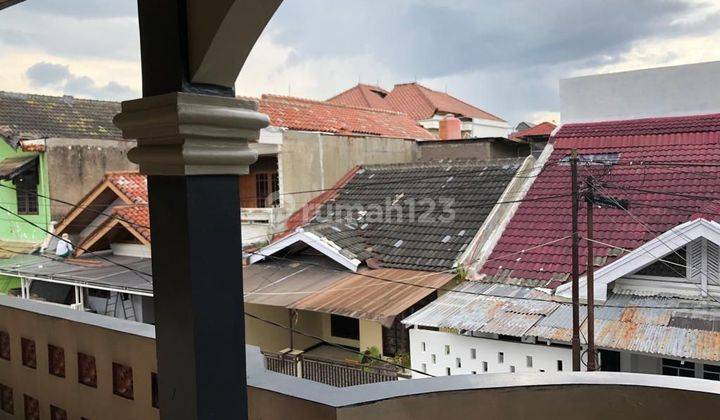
505, 57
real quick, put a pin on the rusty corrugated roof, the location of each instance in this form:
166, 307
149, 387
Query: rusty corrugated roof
668, 326
381, 297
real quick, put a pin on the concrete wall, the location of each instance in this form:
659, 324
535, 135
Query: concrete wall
424, 344
272, 338
75, 166
470, 149
314, 161
666, 91
106, 345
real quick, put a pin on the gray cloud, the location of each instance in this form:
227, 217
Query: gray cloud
60, 77
83, 9
432, 39
504, 56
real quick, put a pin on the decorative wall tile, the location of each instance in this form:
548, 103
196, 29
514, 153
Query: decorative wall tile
56, 360
29, 356
57, 413
4, 345
122, 380
32, 408
7, 404
87, 371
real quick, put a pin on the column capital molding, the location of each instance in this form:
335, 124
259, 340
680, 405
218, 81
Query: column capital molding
191, 134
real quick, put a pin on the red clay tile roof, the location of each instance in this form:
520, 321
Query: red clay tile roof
132, 184
659, 170
542, 129
366, 96
137, 216
421, 103
308, 115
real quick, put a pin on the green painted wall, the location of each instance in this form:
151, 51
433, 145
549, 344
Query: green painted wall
13, 228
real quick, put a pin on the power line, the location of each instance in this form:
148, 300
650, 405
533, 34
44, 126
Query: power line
702, 291
102, 257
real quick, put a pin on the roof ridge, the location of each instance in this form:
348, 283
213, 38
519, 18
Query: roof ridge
645, 119
272, 97
448, 163
22, 94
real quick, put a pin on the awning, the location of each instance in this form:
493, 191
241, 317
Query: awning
87, 271
16, 165
377, 295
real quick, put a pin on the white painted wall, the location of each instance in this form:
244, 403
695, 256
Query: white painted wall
478, 127
424, 344
665, 91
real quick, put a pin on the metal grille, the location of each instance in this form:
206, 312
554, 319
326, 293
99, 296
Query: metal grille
329, 372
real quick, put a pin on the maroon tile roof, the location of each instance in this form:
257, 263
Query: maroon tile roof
666, 166
309, 115
421, 103
366, 96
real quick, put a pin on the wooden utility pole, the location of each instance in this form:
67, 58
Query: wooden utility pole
590, 276
575, 265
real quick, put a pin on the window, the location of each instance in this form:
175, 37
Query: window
424, 367
559, 365
266, 187
32, 408
528, 361
422, 346
344, 327
433, 359
122, 380
447, 349
87, 371
474, 372
501, 357
27, 348
57, 413
7, 404
4, 345
154, 389
473, 354
711, 372
447, 370
458, 362
56, 361
672, 367
512, 369
484, 367
26, 193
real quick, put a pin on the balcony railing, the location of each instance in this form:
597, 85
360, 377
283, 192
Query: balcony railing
326, 371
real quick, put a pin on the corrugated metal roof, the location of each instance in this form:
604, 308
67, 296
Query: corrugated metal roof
282, 283
655, 325
363, 297
88, 270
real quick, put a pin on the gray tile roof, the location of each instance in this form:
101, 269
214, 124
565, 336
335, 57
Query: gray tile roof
25, 116
413, 216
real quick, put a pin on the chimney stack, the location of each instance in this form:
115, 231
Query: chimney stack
450, 128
